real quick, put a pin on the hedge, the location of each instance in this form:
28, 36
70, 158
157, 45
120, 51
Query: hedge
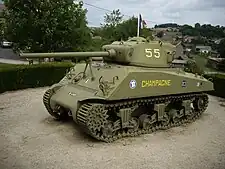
219, 84
15, 77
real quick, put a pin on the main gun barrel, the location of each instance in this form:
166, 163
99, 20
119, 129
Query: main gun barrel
109, 53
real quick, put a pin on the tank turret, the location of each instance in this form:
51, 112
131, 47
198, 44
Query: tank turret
136, 51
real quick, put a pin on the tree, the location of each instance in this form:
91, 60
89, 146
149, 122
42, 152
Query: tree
147, 33
221, 48
113, 19
205, 30
160, 34
45, 26
2, 26
122, 29
126, 29
166, 25
197, 25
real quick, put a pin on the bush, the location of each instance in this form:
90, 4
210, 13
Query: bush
219, 83
14, 77
96, 44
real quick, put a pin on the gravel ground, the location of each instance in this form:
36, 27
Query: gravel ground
8, 53
31, 139
12, 61
16, 62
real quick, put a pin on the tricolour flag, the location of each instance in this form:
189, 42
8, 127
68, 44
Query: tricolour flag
142, 22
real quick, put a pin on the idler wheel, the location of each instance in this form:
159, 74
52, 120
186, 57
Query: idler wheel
199, 104
60, 113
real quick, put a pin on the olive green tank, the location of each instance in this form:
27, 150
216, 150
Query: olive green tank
135, 89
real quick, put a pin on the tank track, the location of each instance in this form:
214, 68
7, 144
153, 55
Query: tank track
58, 114
93, 117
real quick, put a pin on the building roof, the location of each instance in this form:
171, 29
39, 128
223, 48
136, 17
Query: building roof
204, 47
2, 7
176, 61
170, 37
188, 45
217, 41
216, 59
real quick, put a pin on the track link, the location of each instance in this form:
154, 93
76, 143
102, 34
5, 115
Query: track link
59, 115
46, 101
93, 117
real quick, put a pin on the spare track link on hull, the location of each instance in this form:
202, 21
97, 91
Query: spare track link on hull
92, 117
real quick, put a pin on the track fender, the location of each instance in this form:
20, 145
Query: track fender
70, 95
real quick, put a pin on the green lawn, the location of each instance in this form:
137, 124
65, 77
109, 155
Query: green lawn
201, 62
5, 65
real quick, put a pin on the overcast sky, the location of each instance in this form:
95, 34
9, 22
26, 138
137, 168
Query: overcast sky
162, 11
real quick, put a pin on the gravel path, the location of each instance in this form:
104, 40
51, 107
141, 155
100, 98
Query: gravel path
16, 62
31, 139
11, 61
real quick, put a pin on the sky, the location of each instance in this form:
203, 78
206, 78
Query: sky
161, 11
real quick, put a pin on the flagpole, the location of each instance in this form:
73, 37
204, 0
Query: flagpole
138, 26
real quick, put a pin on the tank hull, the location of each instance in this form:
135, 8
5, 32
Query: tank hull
140, 84
128, 101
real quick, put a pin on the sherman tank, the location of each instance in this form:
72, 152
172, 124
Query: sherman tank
135, 89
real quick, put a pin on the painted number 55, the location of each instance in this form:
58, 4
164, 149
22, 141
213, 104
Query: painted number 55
152, 52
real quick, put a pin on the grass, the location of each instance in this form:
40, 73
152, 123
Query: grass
4, 65
201, 62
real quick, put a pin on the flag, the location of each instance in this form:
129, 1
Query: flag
142, 23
